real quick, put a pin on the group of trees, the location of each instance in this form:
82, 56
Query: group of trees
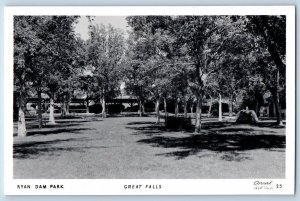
49, 58
45, 56
186, 59
194, 57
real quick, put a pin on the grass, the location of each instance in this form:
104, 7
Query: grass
136, 148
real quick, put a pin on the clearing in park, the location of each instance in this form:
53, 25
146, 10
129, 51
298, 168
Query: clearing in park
136, 148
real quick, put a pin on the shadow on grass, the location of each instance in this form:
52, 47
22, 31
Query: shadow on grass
32, 150
140, 123
118, 115
232, 142
269, 125
247, 131
57, 131
149, 130
152, 128
211, 125
58, 125
80, 121
35, 118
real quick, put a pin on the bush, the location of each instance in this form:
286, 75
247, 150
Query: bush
115, 109
246, 117
178, 123
96, 108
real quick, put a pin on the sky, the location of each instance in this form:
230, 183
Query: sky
81, 27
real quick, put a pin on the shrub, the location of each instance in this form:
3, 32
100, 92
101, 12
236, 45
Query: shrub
96, 108
178, 123
246, 117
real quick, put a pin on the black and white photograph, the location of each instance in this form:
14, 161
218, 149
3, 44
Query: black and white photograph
152, 96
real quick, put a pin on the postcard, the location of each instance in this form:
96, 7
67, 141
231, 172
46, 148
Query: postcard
149, 100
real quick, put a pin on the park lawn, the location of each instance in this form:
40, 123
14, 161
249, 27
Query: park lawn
135, 148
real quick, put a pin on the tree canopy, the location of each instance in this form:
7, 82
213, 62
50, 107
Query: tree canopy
183, 59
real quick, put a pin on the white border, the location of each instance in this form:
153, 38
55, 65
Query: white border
169, 186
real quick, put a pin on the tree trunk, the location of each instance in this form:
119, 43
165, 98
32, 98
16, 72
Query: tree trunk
185, 108
40, 116
157, 111
210, 106
121, 106
220, 107
143, 108
165, 108
68, 107
257, 109
87, 106
231, 106
63, 108
277, 60
103, 108
273, 107
277, 101
192, 112
67, 102
198, 124
21, 120
51, 114
176, 108
277, 107
278, 112
140, 108
268, 111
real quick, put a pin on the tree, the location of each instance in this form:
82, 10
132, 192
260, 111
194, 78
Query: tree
27, 45
271, 37
205, 38
87, 84
210, 51
43, 48
135, 71
236, 69
178, 87
76, 55
105, 51
62, 63
152, 43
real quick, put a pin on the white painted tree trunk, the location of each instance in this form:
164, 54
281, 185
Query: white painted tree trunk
21, 122
103, 108
87, 106
67, 107
51, 114
143, 108
220, 107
